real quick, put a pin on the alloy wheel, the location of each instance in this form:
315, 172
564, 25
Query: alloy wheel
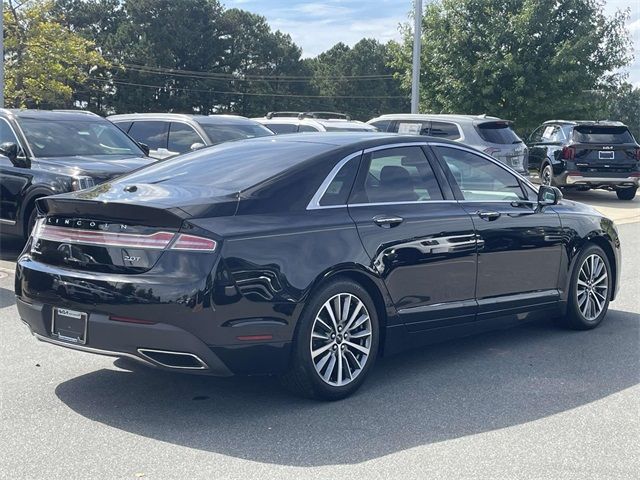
546, 175
341, 339
592, 287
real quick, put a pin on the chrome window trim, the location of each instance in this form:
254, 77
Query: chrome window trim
314, 203
399, 203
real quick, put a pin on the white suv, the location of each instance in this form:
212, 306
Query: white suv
294, 122
491, 135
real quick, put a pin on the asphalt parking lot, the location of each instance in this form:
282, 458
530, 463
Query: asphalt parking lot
531, 402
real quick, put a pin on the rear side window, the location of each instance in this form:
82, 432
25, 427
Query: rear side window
307, 128
444, 130
412, 128
151, 133
602, 134
279, 128
338, 190
498, 132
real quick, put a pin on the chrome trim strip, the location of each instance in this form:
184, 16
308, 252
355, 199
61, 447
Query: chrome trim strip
83, 348
7, 222
203, 365
573, 179
399, 203
314, 203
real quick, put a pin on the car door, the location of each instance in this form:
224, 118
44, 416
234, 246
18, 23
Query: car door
13, 180
519, 242
419, 239
183, 138
152, 133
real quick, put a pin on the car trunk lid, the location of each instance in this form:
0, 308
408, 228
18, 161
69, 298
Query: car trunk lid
603, 148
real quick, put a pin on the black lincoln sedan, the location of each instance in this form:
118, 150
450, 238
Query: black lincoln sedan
309, 256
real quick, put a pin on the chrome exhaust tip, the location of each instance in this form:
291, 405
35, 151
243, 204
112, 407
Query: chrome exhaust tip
170, 359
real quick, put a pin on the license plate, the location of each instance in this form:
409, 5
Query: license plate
605, 155
69, 325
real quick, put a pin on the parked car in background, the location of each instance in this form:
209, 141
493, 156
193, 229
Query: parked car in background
586, 155
297, 122
491, 135
170, 134
193, 264
47, 152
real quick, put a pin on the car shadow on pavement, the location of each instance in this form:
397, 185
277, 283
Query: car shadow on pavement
442, 392
10, 248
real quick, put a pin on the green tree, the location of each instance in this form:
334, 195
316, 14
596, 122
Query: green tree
526, 60
44, 60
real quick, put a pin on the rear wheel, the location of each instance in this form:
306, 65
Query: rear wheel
336, 343
590, 290
627, 193
546, 176
31, 222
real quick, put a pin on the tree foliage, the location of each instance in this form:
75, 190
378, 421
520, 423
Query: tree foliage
526, 60
43, 60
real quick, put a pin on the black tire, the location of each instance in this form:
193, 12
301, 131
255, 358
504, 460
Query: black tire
302, 377
575, 318
31, 221
627, 193
546, 174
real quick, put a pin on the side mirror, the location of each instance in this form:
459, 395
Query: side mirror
145, 148
197, 146
11, 151
549, 195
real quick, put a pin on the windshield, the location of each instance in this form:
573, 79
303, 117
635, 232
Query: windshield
66, 138
498, 132
231, 166
602, 134
219, 133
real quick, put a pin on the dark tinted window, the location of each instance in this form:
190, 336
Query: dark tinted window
400, 174
307, 128
382, 125
124, 126
6, 134
181, 137
498, 132
219, 133
229, 166
478, 178
279, 128
338, 190
151, 133
408, 127
602, 134
444, 130
66, 138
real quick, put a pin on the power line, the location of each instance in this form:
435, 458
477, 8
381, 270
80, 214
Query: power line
252, 94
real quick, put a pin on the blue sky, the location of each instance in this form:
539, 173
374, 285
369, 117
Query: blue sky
318, 25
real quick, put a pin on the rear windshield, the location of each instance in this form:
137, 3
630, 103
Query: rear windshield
232, 167
602, 134
219, 133
498, 132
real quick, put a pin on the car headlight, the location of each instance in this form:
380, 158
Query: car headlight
80, 183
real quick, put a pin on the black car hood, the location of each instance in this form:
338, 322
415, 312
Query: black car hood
99, 167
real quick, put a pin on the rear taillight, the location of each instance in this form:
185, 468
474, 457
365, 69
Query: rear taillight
191, 242
491, 151
637, 156
568, 153
158, 240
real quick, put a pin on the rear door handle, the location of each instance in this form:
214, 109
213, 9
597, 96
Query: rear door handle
387, 221
488, 216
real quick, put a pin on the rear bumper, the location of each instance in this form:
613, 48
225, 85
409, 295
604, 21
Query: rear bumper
597, 179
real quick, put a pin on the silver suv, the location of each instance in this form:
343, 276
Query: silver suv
294, 122
491, 135
170, 134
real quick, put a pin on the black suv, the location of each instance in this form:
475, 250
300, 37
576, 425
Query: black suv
48, 152
586, 155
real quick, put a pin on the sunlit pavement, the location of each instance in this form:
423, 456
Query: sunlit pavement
532, 402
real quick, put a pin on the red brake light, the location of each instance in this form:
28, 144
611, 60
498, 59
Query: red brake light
638, 154
158, 240
568, 153
191, 242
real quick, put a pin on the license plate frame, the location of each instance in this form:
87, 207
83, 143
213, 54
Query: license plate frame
606, 155
69, 325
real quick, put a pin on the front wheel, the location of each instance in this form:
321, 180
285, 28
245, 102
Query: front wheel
590, 290
336, 343
627, 193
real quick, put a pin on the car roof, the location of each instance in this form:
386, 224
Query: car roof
436, 116
586, 122
208, 119
325, 122
81, 115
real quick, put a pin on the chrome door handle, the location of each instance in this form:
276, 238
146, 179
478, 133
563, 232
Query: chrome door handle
386, 221
488, 216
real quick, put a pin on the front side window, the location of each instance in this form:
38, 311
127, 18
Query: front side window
151, 133
400, 174
67, 138
6, 134
381, 125
480, 179
182, 137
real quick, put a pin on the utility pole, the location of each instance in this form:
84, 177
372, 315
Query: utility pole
417, 41
1, 54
